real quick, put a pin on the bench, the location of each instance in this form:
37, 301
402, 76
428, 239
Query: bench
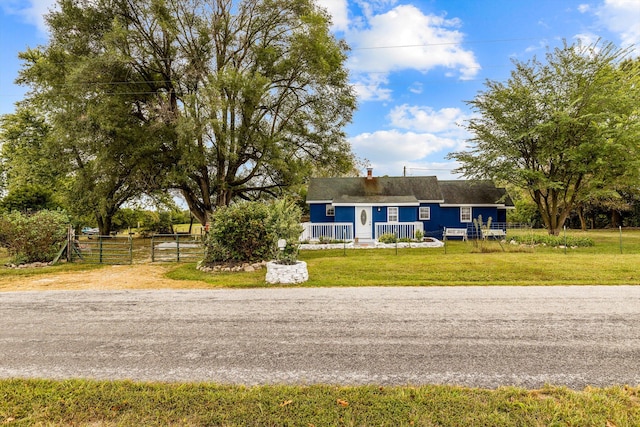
494, 232
455, 232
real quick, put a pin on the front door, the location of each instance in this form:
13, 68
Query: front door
363, 222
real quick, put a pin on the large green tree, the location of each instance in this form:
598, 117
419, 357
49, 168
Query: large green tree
230, 99
562, 129
101, 153
28, 178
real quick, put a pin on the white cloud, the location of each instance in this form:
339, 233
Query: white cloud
583, 8
416, 88
418, 140
401, 39
542, 44
623, 18
445, 121
372, 87
587, 39
32, 11
389, 151
391, 145
339, 11
404, 38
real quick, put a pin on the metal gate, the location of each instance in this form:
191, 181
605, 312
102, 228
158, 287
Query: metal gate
122, 249
102, 249
177, 247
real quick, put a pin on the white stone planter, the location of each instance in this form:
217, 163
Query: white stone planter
287, 274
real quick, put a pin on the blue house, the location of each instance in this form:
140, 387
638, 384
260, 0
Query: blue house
364, 208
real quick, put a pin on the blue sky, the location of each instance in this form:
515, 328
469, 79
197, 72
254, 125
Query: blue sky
412, 63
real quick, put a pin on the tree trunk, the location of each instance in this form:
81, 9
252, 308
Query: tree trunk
105, 223
583, 221
615, 218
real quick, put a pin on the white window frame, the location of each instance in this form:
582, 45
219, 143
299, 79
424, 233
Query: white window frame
390, 215
466, 217
330, 210
426, 217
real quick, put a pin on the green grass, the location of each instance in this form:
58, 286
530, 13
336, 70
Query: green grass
461, 263
39, 271
87, 402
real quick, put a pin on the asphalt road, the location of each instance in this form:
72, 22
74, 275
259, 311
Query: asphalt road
474, 336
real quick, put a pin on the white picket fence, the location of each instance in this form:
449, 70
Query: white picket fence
402, 230
327, 230
344, 230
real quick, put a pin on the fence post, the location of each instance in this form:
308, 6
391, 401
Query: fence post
130, 250
177, 248
444, 239
70, 240
100, 246
620, 238
153, 250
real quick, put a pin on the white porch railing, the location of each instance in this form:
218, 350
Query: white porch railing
327, 230
402, 230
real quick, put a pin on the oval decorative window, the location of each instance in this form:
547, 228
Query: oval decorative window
363, 217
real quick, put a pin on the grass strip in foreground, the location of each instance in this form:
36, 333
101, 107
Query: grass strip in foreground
87, 402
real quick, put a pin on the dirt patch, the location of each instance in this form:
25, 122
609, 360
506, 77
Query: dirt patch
137, 276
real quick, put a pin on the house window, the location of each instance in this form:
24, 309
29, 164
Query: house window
465, 214
425, 213
331, 211
392, 214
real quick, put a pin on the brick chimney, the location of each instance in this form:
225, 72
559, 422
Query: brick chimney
369, 173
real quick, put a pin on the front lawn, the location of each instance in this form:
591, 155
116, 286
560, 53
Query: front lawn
460, 263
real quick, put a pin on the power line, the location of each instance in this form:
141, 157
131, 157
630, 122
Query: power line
446, 43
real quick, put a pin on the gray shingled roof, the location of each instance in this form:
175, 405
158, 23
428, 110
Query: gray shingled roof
404, 190
375, 190
474, 193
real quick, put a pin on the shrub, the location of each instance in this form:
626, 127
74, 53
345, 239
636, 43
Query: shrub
419, 235
553, 241
239, 233
249, 232
284, 223
388, 238
33, 238
284, 220
289, 254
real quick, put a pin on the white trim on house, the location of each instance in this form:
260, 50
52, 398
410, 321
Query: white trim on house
444, 205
